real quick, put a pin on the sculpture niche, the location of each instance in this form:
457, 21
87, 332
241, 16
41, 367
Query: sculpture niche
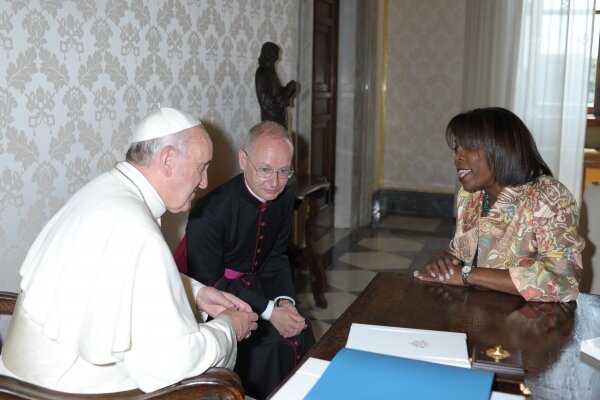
273, 98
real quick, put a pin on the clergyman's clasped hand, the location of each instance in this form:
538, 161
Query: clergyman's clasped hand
287, 320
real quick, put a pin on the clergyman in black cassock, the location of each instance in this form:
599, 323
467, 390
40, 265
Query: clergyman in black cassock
237, 237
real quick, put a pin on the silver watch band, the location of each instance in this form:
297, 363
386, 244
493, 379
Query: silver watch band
465, 275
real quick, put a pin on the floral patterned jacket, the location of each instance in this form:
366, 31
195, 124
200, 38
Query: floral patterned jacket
531, 230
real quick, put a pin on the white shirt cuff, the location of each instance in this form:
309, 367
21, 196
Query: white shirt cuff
268, 311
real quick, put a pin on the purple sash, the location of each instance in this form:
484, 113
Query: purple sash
232, 274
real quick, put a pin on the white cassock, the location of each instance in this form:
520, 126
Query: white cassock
103, 307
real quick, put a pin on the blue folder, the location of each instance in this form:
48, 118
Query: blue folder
355, 374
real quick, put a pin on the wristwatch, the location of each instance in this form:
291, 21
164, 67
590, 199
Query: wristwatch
466, 270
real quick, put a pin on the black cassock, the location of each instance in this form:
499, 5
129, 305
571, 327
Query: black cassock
230, 228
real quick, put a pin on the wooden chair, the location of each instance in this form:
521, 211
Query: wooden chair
216, 383
310, 188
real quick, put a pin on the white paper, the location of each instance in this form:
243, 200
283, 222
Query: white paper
591, 347
440, 347
302, 381
506, 396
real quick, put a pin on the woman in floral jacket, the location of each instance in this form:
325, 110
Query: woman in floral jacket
516, 229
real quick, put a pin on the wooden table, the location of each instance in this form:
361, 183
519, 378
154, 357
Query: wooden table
309, 188
548, 334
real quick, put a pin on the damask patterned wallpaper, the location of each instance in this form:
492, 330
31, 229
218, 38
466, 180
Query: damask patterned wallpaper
76, 76
425, 42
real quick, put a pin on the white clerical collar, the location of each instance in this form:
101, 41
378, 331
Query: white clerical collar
149, 195
252, 193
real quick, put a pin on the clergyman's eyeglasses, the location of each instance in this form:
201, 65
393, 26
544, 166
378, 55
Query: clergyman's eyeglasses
264, 172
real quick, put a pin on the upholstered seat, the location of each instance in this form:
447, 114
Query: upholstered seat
216, 383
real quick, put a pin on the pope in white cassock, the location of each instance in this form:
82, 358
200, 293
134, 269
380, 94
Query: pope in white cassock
102, 307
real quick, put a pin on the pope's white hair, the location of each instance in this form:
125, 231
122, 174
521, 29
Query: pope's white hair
143, 153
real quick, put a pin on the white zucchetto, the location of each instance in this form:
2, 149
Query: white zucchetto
162, 122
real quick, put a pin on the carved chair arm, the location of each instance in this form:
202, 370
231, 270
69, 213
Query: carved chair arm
215, 383
8, 300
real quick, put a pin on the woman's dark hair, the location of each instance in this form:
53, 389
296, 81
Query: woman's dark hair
508, 146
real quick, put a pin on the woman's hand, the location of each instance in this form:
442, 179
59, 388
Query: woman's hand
443, 267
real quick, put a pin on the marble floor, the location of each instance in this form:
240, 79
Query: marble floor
353, 257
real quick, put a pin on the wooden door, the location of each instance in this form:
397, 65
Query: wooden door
322, 160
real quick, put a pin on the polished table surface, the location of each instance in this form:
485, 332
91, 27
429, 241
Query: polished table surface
548, 334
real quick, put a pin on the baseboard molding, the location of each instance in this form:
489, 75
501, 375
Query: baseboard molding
423, 204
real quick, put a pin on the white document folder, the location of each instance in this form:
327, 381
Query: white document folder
440, 347
302, 381
591, 347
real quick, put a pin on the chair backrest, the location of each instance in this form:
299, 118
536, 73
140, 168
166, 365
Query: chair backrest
215, 383
7, 305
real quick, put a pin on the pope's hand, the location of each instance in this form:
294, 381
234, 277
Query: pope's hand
243, 322
214, 302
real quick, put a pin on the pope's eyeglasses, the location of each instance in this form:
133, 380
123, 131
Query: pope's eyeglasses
264, 172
